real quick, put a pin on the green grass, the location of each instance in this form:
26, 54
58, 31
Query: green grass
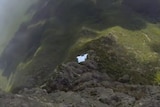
139, 41
5, 83
137, 44
144, 44
157, 78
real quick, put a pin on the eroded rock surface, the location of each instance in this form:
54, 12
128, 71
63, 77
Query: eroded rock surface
85, 84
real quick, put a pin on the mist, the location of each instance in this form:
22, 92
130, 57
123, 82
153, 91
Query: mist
12, 14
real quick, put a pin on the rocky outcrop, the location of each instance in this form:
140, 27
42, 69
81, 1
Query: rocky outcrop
81, 87
85, 84
112, 94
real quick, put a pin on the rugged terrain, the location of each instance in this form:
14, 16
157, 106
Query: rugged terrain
86, 84
121, 38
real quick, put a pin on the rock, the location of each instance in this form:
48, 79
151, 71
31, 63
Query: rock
124, 78
148, 102
124, 100
90, 64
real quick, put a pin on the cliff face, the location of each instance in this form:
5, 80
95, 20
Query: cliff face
121, 38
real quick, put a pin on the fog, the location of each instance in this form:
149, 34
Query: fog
12, 14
